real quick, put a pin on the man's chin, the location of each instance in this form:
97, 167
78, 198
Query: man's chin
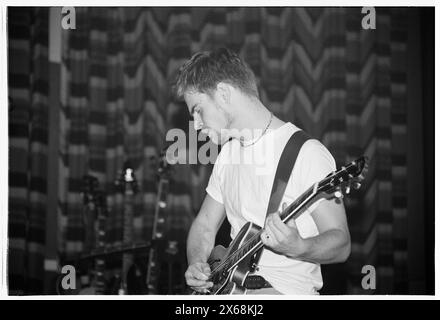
217, 139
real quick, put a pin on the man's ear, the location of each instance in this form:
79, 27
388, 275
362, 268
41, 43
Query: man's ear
224, 92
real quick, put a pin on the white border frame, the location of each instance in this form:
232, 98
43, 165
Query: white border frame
233, 3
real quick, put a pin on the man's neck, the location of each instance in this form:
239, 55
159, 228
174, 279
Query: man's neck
252, 120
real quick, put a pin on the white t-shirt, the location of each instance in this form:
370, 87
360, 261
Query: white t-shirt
242, 180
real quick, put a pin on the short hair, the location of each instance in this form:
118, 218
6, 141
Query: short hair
204, 70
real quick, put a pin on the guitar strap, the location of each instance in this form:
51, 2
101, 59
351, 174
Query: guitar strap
282, 175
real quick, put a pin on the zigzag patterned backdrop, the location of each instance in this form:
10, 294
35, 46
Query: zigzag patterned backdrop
316, 67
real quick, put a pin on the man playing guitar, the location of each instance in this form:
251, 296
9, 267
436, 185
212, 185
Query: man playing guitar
221, 94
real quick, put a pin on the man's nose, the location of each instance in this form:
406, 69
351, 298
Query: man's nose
198, 124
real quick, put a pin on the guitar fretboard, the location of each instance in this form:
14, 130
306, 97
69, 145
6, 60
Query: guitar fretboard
127, 258
157, 235
101, 215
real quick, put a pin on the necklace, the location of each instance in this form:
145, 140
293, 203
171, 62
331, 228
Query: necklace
255, 141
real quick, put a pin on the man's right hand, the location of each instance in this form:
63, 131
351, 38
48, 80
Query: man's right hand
197, 276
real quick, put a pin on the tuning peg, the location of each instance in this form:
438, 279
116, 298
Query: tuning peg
347, 189
162, 204
338, 194
356, 185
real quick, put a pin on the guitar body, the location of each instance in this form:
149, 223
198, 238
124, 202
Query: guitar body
232, 282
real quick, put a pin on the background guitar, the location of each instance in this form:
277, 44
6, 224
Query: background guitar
159, 228
90, 268
98, 285
128, 185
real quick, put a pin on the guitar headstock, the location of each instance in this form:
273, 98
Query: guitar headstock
127, 179
350, 176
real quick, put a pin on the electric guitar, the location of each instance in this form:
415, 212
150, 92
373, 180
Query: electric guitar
90, 185
230, 266
128, 184
97, 199
159, 227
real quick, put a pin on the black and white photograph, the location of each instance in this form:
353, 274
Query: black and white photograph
220, 150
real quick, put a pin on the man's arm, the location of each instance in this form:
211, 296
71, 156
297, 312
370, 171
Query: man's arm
332, 245
201, 239
203, 230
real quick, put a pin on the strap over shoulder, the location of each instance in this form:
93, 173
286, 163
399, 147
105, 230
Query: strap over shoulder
282, 175
284, 169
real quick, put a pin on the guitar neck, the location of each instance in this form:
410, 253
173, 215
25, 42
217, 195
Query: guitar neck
128, 218
127, 258
159, 220
100, 262
157, 234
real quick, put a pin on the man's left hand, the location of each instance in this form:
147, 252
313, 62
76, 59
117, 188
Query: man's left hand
282, 238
